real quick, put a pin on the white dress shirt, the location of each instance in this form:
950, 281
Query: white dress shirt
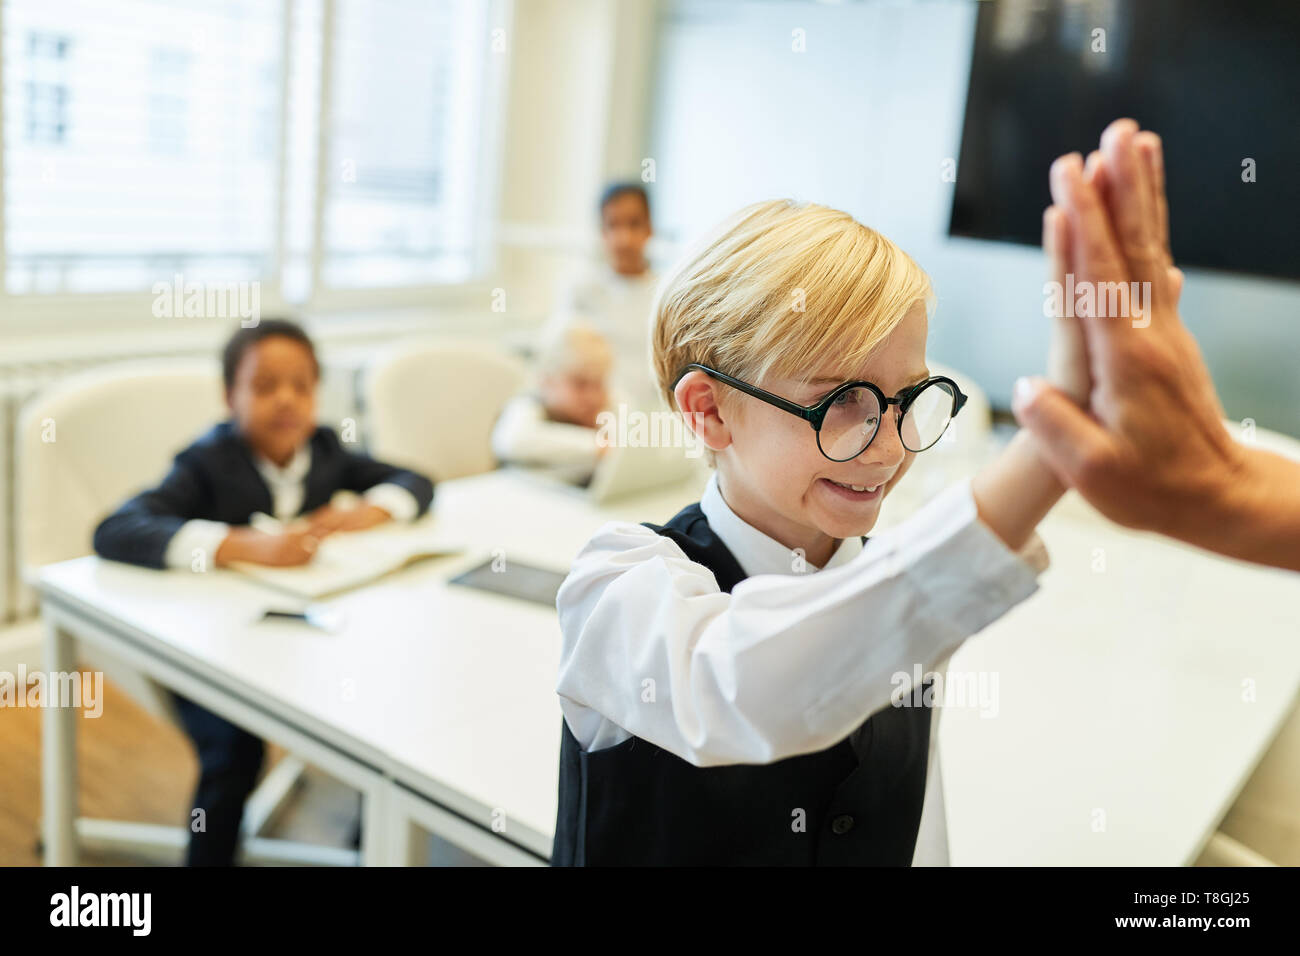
791, 662
618, 307
287, 485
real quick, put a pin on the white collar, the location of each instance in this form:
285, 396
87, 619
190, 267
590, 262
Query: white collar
756, 552
295, 471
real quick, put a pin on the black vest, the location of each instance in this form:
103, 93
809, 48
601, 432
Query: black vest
637, 804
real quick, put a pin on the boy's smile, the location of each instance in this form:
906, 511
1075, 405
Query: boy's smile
855, 492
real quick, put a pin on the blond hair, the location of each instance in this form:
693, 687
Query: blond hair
782, 288
571, 346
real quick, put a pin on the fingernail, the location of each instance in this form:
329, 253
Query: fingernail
1065, 171
1074, 167
1057, 172
1024, 391
1117, 136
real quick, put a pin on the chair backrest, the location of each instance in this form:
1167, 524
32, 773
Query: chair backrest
430, 405
88, 442
92, 439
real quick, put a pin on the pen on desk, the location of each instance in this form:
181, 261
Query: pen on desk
314, 614
295, 615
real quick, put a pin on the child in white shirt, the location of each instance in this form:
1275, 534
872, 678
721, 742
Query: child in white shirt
727, 678
554, 424
615, 296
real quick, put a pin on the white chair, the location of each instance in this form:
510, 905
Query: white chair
430, 405
84, 445
91, 440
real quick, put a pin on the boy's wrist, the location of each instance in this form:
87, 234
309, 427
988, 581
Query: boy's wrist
1015, 491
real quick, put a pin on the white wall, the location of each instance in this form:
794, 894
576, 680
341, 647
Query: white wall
576, 118
862, 121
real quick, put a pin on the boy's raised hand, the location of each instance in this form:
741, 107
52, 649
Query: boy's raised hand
1067, 354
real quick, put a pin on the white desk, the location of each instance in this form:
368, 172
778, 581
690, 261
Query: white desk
1121, 736
1124, 731
1119, 690
440, 696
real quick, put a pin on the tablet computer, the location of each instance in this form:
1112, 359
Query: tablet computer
514, 579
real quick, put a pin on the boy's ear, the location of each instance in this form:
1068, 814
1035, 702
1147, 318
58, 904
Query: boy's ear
697, 400
230, 406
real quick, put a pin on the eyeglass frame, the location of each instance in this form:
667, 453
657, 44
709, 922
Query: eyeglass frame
815, 414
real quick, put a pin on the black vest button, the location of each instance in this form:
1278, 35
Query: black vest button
842, 824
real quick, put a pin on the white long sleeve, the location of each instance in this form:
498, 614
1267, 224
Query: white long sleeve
400, 504
524, 435
195, 538
787, 663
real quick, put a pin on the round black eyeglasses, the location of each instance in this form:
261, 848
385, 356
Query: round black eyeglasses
846, 421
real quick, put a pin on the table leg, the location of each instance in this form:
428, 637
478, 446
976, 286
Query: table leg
374, 825
59, 756
408, 845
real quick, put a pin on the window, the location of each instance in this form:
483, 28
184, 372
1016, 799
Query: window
170, 96
47, 90
140, 159
145, 139
399, 199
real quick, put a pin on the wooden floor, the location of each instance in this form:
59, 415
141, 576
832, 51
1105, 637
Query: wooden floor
133, 767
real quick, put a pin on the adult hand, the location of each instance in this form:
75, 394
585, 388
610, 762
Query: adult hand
1154, 453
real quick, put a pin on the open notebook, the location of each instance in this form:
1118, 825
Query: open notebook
348, 559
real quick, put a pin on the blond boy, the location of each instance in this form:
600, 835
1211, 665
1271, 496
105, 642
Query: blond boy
728, 679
